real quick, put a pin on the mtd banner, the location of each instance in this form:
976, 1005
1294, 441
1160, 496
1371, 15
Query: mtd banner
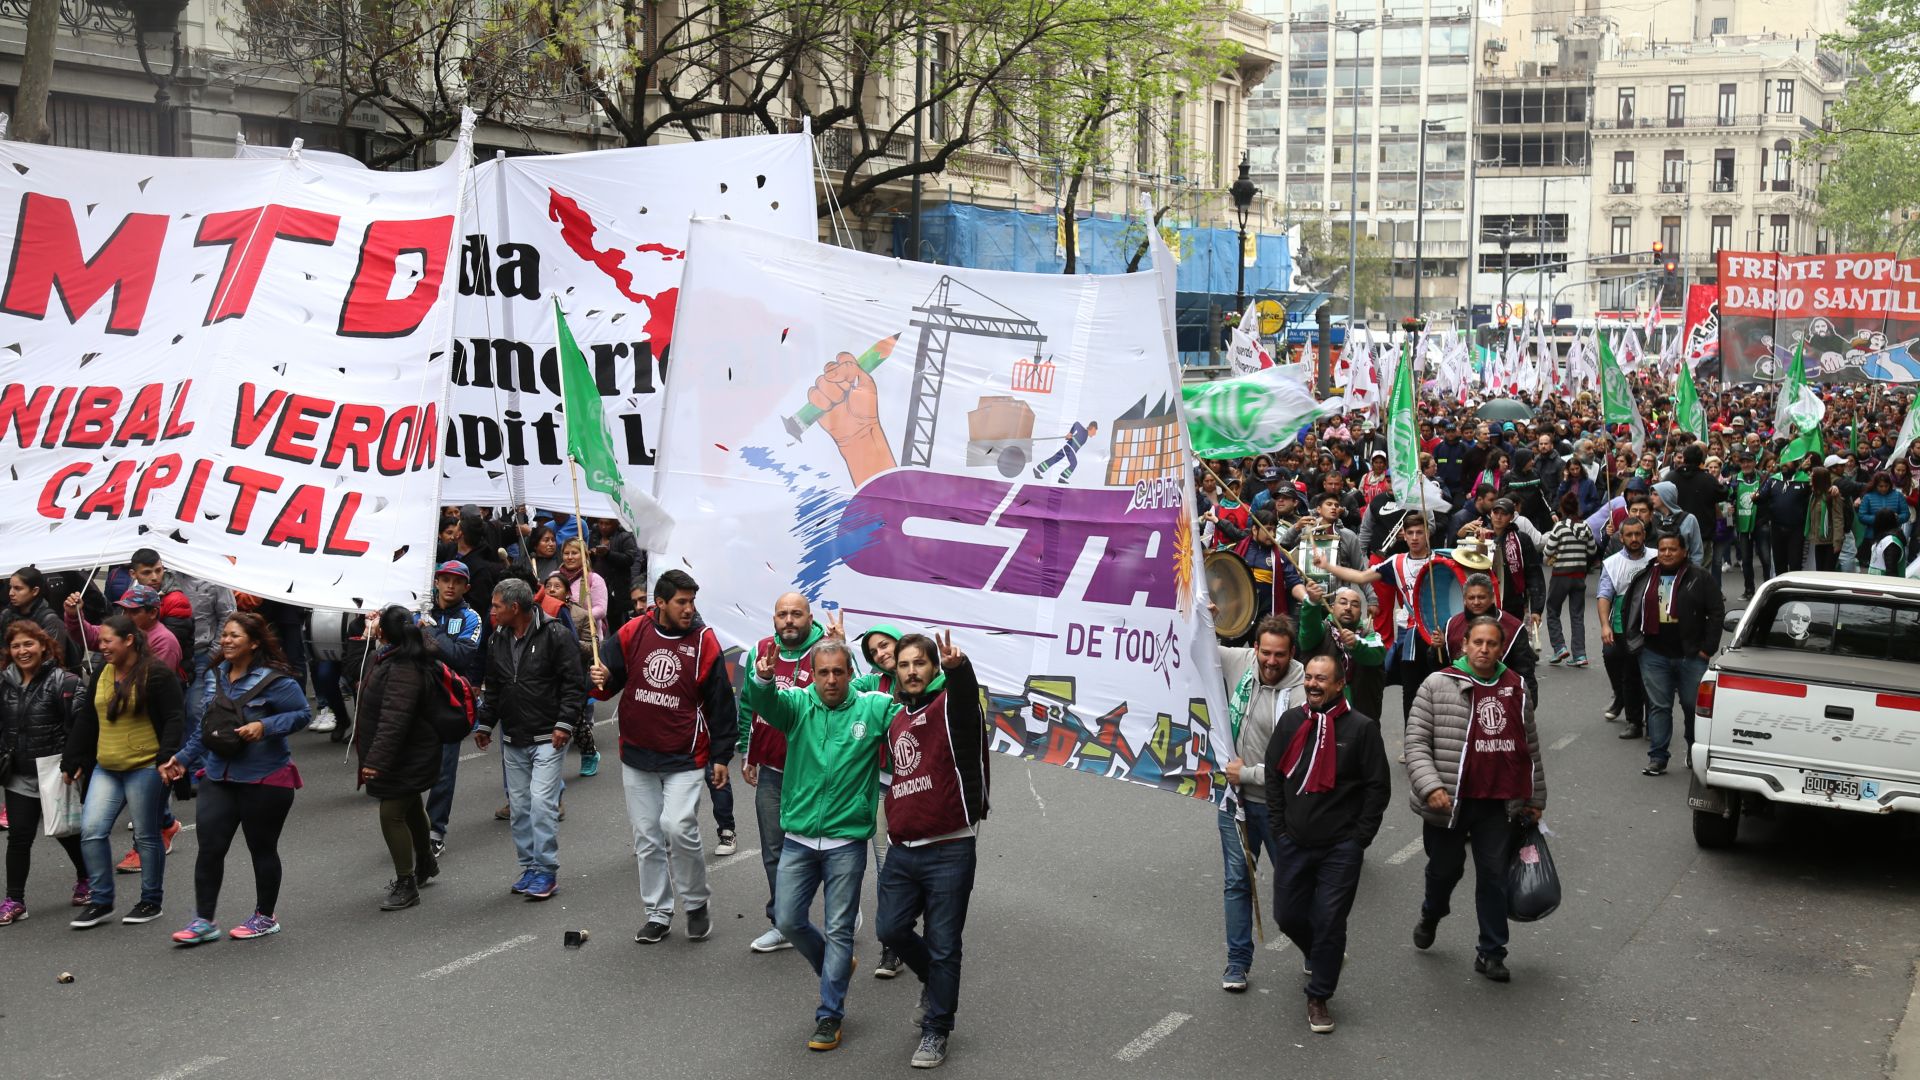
238, 363
931, 447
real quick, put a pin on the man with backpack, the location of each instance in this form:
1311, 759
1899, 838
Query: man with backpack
453, 629
534, 685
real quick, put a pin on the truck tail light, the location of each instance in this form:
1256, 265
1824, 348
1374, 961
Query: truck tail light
1703, 701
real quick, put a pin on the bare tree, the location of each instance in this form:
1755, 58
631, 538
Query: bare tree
36, 73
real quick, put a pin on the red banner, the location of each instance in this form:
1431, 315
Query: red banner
1844, 310
1701, 345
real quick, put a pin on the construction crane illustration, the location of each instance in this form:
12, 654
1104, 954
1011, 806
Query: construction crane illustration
939, 319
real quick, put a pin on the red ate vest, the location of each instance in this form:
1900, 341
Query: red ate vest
767, 745
660, 705
926, 797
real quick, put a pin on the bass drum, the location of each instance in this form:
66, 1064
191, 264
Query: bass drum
1230, 587
328, 633
1438, 595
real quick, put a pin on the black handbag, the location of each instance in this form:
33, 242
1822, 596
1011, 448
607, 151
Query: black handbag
220, 727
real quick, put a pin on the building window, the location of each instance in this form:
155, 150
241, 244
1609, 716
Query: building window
1676, 106
1623, 172
1626, 106
1778, 224
1721, 237
1783, 166
1723, 170
1143, 139
1783, 96
1673, 168
1719, 26
1729, 102
1218, 146
1670, 235
1622, 235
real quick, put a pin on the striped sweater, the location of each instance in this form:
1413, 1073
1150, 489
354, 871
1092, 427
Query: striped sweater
1569, 548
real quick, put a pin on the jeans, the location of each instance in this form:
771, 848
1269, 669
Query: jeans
1239, 885
440, 799
1560, 590
1313, 891
803, 872
23, 826
140, 792
533, 801
326, 685
1624, 675
1664, 677
1753, 553
766, 809
1483, 825
664, 810
722, 801
935, 880
227, 808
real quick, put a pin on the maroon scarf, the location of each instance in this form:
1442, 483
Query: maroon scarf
1516, 566
1320, 767
1650, 604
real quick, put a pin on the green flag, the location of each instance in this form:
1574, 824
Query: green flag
1687, 411
1403, 432
1799, 411
1250, 414
590, 445
1616, 395
1909, 430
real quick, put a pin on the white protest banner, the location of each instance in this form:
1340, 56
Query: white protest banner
606, 232
240, 364
932, 447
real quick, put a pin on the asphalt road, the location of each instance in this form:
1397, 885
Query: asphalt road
1093, 950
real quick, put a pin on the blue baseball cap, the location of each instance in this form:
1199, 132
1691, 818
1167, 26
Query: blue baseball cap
454, 567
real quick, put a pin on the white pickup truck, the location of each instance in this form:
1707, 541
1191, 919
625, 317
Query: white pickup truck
1814, 701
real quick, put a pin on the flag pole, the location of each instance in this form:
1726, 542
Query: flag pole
586, 567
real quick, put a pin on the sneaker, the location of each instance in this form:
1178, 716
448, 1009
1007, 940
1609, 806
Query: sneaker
826, 1035
589, 764
91, 916
197, 932
542, 886
889, 965
1612, 713
1654, 768
438, 848
256, 926
656, 932
1634, 731
1493, 967
932, 1051
771, 941
505, 813
323, 722
1319, 1020
128, 865
726, 846
11, 911
1234, 981
401, 893
1579, 661
167, 833
1560, 656
143, 912
699, 923
1424, 931
82, 892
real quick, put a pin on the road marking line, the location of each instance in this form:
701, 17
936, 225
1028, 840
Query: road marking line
1277, 943
475, 754
736, 857
1151, 1037
468, 961
1564, 742
1036, 791
191, 1067
1405, 853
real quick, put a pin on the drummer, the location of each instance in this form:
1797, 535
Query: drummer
1412, 659
1476, 599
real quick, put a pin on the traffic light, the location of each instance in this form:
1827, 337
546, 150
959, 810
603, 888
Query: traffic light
1659, 248
1671, 267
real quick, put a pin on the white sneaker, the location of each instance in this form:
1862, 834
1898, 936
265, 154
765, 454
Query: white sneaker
323, 721
726, 846
771, 941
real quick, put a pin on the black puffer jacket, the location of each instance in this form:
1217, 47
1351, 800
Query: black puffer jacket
165, 705
546, 690
390, 733
37, 717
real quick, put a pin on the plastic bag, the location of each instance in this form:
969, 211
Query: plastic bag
1533, 885
60, 802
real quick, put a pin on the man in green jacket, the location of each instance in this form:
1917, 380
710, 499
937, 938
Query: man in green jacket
835, 739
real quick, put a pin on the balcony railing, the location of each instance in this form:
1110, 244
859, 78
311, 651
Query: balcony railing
1620, 189
1721, 186
1672, 187
1738, 120
79, 16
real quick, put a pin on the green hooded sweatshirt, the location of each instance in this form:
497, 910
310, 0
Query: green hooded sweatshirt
871, 681
831, 785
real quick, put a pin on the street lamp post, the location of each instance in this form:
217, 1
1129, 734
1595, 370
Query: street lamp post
1420, 212
1505, 240
1353, 168
1243, 192
159, 21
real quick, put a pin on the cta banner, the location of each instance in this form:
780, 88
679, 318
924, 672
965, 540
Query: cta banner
606, 232
929, 447
1855, 317
240, 364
